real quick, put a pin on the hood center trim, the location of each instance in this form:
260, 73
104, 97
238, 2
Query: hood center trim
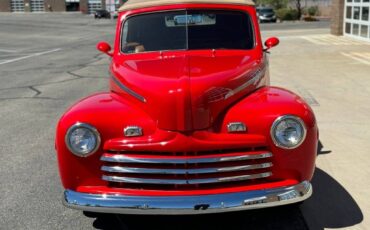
128, 90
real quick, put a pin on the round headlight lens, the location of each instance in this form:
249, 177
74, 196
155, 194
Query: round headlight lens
82, 139
288, 132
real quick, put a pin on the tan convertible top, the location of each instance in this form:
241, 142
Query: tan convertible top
136, 4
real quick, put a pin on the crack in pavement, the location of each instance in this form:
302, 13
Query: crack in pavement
38, 92
17, 98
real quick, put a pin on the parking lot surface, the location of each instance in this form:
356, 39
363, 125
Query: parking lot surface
48, 61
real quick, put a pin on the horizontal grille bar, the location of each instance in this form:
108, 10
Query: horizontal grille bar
120, 169
122, 158
185, 182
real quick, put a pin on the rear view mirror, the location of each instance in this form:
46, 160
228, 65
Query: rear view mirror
104, 47
191, 20
271, 42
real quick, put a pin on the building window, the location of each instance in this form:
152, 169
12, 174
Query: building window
365, 14
349, 12
357, 19
355, 29
356, 12
348, 28
364, 31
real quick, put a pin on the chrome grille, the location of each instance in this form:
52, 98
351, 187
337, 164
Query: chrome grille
135, 170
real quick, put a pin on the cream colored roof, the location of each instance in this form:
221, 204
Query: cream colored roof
136, 4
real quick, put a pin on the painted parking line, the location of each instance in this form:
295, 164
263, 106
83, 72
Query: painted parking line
293, 37
29, 56
8, 51
307, 96
328, 39
362, 57
284, 37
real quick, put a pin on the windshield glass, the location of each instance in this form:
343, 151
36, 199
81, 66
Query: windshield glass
266, 10
187, 30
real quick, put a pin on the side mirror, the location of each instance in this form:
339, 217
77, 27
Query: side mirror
271, 42
104, 47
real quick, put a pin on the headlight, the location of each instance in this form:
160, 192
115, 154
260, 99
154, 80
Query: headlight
288, 132
82, 139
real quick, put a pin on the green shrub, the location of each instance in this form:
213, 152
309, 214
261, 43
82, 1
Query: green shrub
286, 14
313, 10
276, 4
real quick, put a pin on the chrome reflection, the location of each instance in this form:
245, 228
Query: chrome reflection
236, 127
184, 182
126, 169
122, 158
128, 90
177, 205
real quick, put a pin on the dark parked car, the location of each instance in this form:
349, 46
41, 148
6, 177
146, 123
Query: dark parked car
102, 14
266, 14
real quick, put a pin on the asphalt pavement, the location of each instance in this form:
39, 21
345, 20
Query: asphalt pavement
49, 61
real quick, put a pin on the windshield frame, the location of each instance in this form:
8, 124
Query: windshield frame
122, 24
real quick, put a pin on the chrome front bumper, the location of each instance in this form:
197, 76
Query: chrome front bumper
184, 205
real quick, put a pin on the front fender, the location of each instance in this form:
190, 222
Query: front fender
260, 109
107, 112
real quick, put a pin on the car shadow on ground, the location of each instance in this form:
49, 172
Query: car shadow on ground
287, 217
330, 206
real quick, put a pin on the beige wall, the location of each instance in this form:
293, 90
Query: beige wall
337, 14
4, 5
55, 5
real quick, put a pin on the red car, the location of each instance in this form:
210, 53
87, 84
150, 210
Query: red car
191, 124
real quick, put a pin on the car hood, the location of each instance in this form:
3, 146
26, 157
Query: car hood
188, 92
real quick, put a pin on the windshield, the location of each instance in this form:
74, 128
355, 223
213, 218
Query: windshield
187, 30
266, 10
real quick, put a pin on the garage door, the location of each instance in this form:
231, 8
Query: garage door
112, 5
94, 5
37, 5
356, 19
17, 5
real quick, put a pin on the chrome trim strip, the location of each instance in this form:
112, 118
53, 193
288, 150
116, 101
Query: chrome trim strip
120, 169
187, 205
128, 90
121, 158
183, 182
256, 77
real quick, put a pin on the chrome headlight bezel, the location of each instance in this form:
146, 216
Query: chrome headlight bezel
278, 121
92, 129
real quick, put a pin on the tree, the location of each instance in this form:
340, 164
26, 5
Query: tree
298, 7
276, 4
